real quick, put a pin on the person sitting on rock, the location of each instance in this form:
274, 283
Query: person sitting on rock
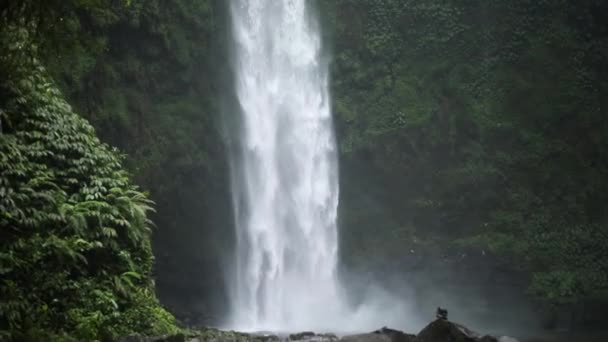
441, 313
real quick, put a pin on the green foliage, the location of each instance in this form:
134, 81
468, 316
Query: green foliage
460, 123
483, 122
75, 253
151, 87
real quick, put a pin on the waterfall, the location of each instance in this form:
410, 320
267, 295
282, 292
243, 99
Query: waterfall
285, 182
285, 178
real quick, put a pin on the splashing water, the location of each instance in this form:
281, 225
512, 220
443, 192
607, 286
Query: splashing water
285, 178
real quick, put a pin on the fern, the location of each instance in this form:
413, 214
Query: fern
71, 218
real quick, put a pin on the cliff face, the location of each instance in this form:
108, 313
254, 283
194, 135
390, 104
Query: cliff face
472, 128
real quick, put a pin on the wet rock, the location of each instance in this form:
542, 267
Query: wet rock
368, 337
309, 336
264, 337
507, 339
381, 335
329, 337
301, 335
395, 335
488, 338
442, 330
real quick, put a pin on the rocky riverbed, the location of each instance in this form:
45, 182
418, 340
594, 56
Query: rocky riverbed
439, 330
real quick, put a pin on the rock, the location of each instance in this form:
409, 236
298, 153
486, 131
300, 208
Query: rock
301, 335
395, 335
381, 335
264, 337
309, 336
369, 337
442, 330
488, 338
507, 339
328, 337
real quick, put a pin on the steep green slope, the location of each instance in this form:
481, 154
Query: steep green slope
148, 76
75, 252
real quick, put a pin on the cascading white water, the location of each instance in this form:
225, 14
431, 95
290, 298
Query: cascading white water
285, 180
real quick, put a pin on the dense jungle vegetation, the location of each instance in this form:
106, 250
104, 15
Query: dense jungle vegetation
471, 132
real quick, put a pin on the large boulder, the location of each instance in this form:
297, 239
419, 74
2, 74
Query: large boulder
442, 330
